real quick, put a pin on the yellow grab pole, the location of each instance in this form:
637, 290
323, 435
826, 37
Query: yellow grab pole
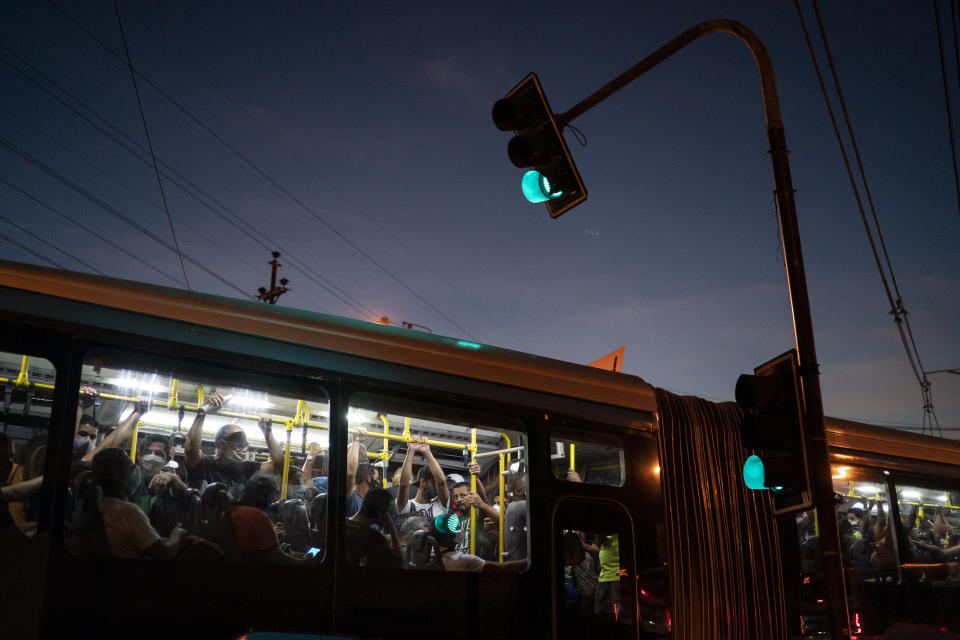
199, 396
23, 379
473, 488
286, 461
133, 442
405, 436
172, 402
572, 454
502, 510
386, 444
509, 445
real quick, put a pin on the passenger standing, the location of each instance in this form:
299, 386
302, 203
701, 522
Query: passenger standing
515, 523
366, 547
428, 502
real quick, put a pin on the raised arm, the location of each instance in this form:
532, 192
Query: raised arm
273, 447
353, 458
193, 454
312, 453
84, 401
121, 436
438, 477
406, 472
474, 469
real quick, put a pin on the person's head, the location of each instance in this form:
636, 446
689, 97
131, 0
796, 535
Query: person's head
452, 480
85, 438
153, 454
460, 492
367, 474
376, 504
231, 443
518, 486
572, 549
294, 476
426, 483
854, 515
6, 456
410, 526
260, 491
115, 472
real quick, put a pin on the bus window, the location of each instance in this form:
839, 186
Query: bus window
26, 391
200, 464
453, 489
599, 461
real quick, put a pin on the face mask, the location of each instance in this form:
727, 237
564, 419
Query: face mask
230, 453
152, 464
429, 492
131, 482
374, 483
81, 447
295, 491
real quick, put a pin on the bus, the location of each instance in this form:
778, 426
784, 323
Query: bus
611, 508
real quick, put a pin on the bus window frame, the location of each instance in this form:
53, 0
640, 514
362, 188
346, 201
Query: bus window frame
591, 433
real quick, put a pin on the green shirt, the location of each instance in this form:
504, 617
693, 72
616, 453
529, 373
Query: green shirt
610, 561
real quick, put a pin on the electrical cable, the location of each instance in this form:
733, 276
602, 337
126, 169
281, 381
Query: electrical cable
897, 308
276, 184
50, 244
114, 212
946, 96
88, 230
250, 231
146, 132
32, 252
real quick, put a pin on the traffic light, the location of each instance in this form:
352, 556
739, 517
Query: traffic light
772, 425
538, 144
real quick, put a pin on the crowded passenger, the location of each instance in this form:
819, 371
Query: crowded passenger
485, 542
427, 502
227, 465
365, 545
515, 520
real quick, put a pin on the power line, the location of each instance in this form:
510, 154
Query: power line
146, 132
88, 230
32, 252
49, 244
276, 184
249, 231
946, 97
897, 309
112, 211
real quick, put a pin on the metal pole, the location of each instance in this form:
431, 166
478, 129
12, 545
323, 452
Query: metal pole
503, 510
796, 279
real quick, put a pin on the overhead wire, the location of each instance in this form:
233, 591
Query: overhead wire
236, 221
33, 252
276, 184
113, 211
49, 244
146, 133
946, 96
88, 162
897, 308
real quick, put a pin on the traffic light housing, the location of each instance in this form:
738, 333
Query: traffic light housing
538, 144
772, 425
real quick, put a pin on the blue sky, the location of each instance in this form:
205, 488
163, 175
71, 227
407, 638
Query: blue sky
375, 119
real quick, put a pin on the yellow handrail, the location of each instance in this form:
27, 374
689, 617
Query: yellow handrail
133, 443
473, 488
23, 380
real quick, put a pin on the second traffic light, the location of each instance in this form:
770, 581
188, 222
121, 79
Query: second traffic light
538, 144
773, 426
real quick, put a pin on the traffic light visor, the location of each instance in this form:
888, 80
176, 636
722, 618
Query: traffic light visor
536, 187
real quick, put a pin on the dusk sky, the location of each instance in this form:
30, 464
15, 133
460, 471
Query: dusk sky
356, 138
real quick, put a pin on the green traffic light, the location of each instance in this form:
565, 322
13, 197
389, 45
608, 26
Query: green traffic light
753, 474
536, 187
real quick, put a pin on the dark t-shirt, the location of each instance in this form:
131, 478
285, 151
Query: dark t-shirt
232, 474
354, 502
368, 548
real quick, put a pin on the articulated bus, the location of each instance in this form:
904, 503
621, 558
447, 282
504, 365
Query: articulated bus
612, 509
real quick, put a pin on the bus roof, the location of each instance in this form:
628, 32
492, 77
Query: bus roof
334, 333
858, 436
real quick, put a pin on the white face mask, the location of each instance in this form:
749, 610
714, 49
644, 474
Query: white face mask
152, 464
231, 454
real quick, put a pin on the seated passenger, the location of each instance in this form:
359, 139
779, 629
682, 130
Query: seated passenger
256, 539
129, 532
367, 547
428, 502
453, 560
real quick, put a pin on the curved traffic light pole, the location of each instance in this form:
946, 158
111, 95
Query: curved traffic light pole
796, 279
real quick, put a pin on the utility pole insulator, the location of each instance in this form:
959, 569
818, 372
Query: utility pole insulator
271, 295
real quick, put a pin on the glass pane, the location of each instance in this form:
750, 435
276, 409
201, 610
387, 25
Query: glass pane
195, 466
596, 595
26, 392
597, 462
422, 499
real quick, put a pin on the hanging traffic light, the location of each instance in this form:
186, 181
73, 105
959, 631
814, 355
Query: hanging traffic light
772, 425
538, 144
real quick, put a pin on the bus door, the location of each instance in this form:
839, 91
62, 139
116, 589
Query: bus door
594, 570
